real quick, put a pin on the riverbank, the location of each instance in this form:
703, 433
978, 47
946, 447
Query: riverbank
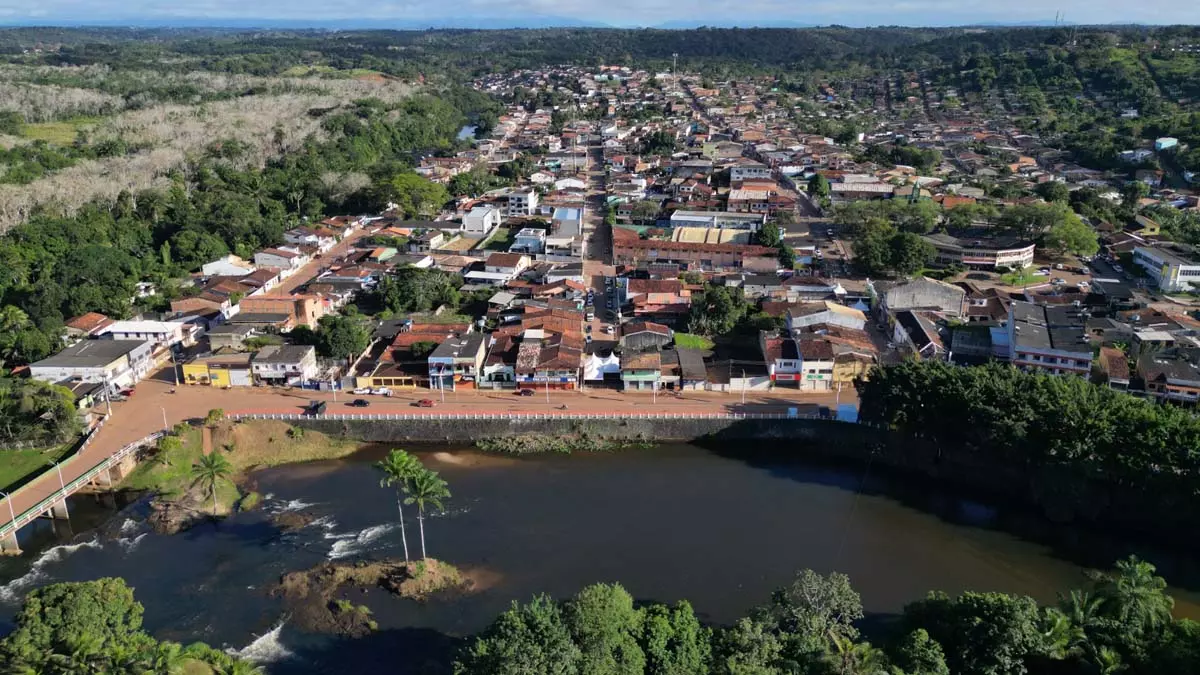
180, 501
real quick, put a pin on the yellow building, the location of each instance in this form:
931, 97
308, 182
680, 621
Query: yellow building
222, 370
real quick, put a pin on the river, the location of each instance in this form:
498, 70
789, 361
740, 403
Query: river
720, 528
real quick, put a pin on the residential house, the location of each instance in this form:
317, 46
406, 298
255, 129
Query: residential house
87, 325
322, 240
229, 337
530, 240
118, 364
918, 332
457, 362
163, 334
481, 220
285, 364
1171, 375
228, 266
922, 294
500, 268
1115, 366
639, 253
641, 371
807, 364
522, 203
298, 310
645, 336
288, 259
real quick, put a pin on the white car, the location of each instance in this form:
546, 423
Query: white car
362, 390
382, 391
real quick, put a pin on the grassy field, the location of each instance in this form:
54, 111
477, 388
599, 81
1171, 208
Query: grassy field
266, 443
1023, 277
170, 473
18, 467
501, 239
690, 341
58, 133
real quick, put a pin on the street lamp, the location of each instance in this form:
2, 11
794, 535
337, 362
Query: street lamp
11, 512
166, 427
61, 484
743, 386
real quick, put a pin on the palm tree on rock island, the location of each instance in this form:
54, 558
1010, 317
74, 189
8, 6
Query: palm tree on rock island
398, 467
208, 472
426, 488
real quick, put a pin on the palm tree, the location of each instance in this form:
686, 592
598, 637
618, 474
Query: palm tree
426, 488
848, 657
208, 472
1135, 595
240, 667
1108, 662
397, 468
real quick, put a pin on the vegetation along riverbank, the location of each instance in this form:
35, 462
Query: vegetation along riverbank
527, 444
192, 478
1077, 451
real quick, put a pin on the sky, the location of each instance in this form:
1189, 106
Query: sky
625, 13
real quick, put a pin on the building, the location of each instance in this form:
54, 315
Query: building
118, 363
1171, 375
749, 171
640, 253
1173, 267
285, 364
499, 268
982, 251
645, 336
921, 293
1048, 339
723, 220
87, 325
806, 364
917, 331
531, 240
457, 362
522, 203
297, 310
219, 370
802, 316
286, 258
641, 371
161, 333
481, 220
229, 336
228, 266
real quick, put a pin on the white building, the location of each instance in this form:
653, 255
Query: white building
719, 220
286, 258
160, 333
1173, 267
749, 171
522, 203
531, 240
117, 363
480, 221
228, 266
286, 364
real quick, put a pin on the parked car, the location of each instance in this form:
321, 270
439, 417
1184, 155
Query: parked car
525, 392
127, 392
359, 403
382, 391
1058, 281
424, 403
610, 330
361, 390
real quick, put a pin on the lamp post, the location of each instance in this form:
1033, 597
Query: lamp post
11, 513
61, 484
174, 368
743, 386
166, 427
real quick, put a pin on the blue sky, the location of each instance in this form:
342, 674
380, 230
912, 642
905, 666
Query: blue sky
609, 12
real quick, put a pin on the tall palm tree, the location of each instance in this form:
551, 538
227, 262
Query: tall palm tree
426, 489
1135, 595
208, 472
397, 468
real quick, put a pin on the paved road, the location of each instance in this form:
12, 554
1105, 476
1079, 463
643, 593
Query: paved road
314, 267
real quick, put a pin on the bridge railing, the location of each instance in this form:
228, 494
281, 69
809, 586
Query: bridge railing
32, 513
520, 416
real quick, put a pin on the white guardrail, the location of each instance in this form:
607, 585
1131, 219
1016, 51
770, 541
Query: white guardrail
32, 513
521, 416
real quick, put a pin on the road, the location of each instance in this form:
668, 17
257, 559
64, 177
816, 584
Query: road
314, 267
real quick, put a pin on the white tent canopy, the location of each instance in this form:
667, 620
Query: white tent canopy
597, 366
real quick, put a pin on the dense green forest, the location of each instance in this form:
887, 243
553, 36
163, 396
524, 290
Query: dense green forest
54, 267
1121, 622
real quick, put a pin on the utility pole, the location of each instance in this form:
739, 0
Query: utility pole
174, 367
743, 386
166, 427
674, 70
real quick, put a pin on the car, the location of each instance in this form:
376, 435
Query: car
1044, 271
1058, 266
610, 330
424, 403
1084, 284
591, 316
525, 392
382, 391
127, 392
829, 233
359, 403
361, 390
1118, 268
1058, 281
588, 328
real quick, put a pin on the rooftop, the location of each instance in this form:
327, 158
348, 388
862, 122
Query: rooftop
90, 354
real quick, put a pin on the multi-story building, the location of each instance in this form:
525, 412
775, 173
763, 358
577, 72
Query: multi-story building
457, 362
480, 221
161, 333
116, 363
1173, 267
749, 171
1172, 375
723, 220
1048, 339
711, 257
985, 252
522, 203
286, 364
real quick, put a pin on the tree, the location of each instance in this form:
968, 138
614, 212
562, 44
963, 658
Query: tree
918, 654
1135, 596
645, 210
716, 310
210, 471
412, 289
908, 253
770, 235
398, 468
981, 633
818, 185
341, 336
214, 417
421, 349
673, 640
605, 625
426, 489
1072, 235
1054, 191
787, 256
415, 195
526, 639
1133, 192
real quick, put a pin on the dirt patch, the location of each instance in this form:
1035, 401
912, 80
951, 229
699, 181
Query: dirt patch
317, 597
265, 443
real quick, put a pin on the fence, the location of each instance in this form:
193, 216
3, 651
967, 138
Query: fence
29, 515
522, 416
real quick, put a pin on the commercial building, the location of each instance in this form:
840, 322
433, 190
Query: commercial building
1048, 339
285, 364
724, 220
1173, 267
457, 362
118, 363
710, 257
161, 333
982, 251
219, 370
